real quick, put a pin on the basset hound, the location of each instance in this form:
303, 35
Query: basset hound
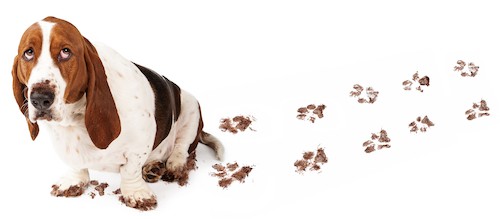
103, 111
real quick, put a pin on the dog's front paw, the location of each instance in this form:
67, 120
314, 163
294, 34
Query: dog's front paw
72, 184
142, 200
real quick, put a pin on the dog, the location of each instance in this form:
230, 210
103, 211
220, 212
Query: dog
103, 111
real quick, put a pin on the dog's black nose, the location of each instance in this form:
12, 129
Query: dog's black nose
42, 100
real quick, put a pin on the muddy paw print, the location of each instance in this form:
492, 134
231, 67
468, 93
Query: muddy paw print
227, 174
238, 123
98, 187
311, 112
471, 70
478, 110
369, 97
377, 142
421, 124
416, 83
311, 161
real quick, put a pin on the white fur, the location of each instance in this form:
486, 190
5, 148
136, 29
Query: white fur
134, 99
45, 69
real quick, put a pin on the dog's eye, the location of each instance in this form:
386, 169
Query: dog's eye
64, 54
29, 54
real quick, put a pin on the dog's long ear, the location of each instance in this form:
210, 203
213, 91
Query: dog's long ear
21, 99
101, 117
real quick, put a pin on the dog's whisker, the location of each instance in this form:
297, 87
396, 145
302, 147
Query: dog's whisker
25, 108
25, 89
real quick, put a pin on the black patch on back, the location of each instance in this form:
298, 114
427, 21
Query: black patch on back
167, 102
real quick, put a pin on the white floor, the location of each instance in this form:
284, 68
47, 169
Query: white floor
267, 59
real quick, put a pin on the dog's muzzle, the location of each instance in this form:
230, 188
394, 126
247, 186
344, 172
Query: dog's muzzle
41, 98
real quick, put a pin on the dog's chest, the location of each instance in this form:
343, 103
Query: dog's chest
75, 147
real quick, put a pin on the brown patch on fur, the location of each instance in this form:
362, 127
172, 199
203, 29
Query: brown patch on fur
167, 102
21, 71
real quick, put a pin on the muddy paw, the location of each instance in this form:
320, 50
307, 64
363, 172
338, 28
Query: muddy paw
71, 191
153, 171
177, 160
180, 174
143, 204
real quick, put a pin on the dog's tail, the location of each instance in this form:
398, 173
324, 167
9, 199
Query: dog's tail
214, 143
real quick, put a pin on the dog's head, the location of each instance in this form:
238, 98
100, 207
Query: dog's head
59, 77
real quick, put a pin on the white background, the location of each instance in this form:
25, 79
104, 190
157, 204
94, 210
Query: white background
266, 59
